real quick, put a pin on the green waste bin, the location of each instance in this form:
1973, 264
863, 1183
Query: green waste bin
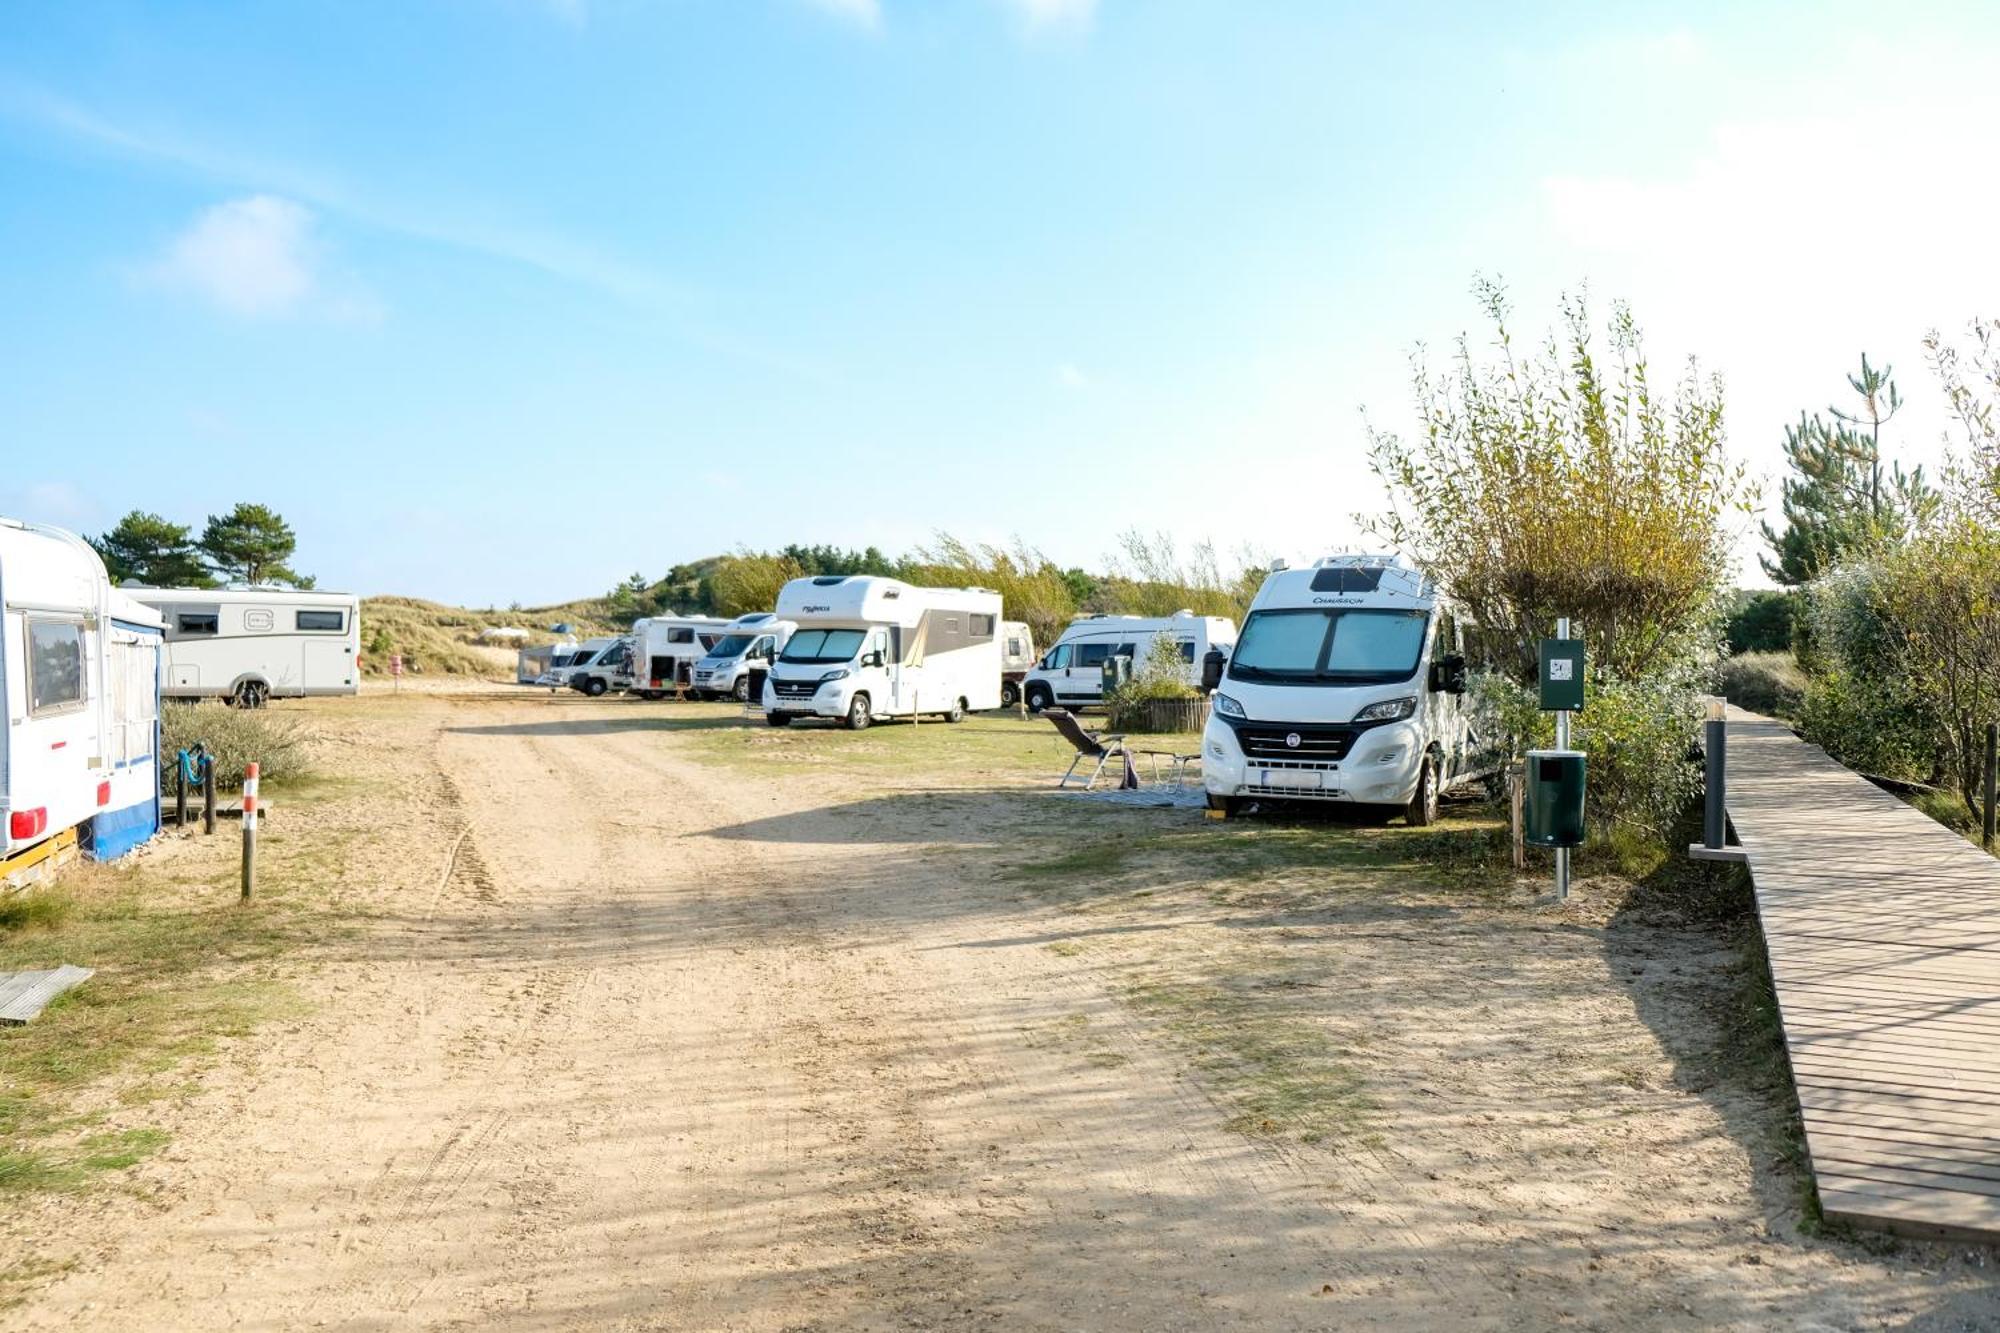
1555, 798
1117, 673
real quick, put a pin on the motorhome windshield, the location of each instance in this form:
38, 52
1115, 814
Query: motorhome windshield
1313, 646
731, 645
815, 646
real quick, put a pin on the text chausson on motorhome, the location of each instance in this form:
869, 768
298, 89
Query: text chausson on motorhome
869, 647
1347, 684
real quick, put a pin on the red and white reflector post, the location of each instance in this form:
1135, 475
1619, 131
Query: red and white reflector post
249, 830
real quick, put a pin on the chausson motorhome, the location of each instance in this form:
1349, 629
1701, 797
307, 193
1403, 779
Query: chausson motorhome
579, 654
80, 675
1017, 655
869, 647
1347, 684
665, 649
247, 645
1071, 673
751, 642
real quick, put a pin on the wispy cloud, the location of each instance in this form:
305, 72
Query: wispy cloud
1069, 377
867, 13
253, 257
1039, 16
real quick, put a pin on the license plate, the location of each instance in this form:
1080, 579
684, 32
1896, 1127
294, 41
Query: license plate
1291, 777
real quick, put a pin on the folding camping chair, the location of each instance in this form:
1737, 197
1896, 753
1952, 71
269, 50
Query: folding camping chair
1092, 745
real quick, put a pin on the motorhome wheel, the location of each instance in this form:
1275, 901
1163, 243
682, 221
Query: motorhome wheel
1228, 805
1423, 808
957, 713
857, 714
778, 719
251, 694
742, 690
1039, 698
594, 686
1010, 694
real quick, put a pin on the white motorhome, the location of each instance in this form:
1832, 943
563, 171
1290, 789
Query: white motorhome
1347, 684
533, 663
579, 654
664, 651
80, 675
749, 642
869, 647
607, 669
1071, 672
251, 644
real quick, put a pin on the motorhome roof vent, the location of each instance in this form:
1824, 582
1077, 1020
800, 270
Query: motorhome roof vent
828, 580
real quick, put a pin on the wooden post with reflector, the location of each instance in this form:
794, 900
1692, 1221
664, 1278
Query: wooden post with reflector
249, 830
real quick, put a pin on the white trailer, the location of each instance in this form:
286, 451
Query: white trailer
665, 649
251, 644
869, 647
80, 675
1347, 684
1071, 673
1017, 658
749, 643
533, 663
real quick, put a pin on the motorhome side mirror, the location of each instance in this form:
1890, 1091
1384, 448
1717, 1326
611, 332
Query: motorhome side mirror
871, 659
1211, 670
1448, 675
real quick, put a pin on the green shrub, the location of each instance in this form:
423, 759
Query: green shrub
280, 746
1872, 724
1761, 622
1767, 683
1160, 673
1640, 737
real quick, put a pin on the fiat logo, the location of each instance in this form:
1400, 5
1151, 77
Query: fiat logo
1292, 740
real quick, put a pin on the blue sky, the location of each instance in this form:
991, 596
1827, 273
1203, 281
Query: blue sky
502, 300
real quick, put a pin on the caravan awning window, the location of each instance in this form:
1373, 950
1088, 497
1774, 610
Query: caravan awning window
55, 666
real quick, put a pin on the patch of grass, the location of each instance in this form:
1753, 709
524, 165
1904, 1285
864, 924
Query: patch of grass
280, 745
1285, 1077
38, 909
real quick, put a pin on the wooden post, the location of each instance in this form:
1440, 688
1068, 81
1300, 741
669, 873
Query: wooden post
1992, 779
207, 794
1516, 815
181, 789
249, 830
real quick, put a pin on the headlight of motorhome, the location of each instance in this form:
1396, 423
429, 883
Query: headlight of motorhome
1388, 710
1227, 706
838, 673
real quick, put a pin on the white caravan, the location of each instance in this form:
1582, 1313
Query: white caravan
1346, 685
1017, 656
1071, 673
869, 647
579, 654
247, 645
80, 673
751, 642
664, 651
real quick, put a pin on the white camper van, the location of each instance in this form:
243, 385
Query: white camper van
533, 663
749, 642
248, 645
665, 649
607, 669
577, 655
1071, 672
80, 674
1346, 685
869, 647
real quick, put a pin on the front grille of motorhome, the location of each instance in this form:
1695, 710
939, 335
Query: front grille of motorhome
795, 689
1323, 744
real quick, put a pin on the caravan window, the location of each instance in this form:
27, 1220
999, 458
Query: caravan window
203, 622
55, 666
681, 635
982, 627
326, 622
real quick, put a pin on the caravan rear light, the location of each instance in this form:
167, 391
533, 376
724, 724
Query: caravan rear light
103, 794
25, 824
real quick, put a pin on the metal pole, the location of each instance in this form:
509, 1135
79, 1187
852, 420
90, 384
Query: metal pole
1992, 778
249, 830
1714, 805
1562, 743
207, 794
181, 789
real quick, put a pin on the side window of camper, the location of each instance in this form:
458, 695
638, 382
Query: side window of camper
982, 628
682, 635
197, 622
1092, 654
55, 666
322, 622
1187, 651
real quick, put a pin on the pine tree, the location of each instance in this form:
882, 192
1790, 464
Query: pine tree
251, 544
1842, 497
145, 548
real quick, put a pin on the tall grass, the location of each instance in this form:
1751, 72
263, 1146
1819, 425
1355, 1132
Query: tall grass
280, 746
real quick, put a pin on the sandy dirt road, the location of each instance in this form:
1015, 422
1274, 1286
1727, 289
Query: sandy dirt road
632, 1043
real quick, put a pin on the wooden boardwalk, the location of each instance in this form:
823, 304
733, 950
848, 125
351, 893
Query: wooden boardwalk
1884, 936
